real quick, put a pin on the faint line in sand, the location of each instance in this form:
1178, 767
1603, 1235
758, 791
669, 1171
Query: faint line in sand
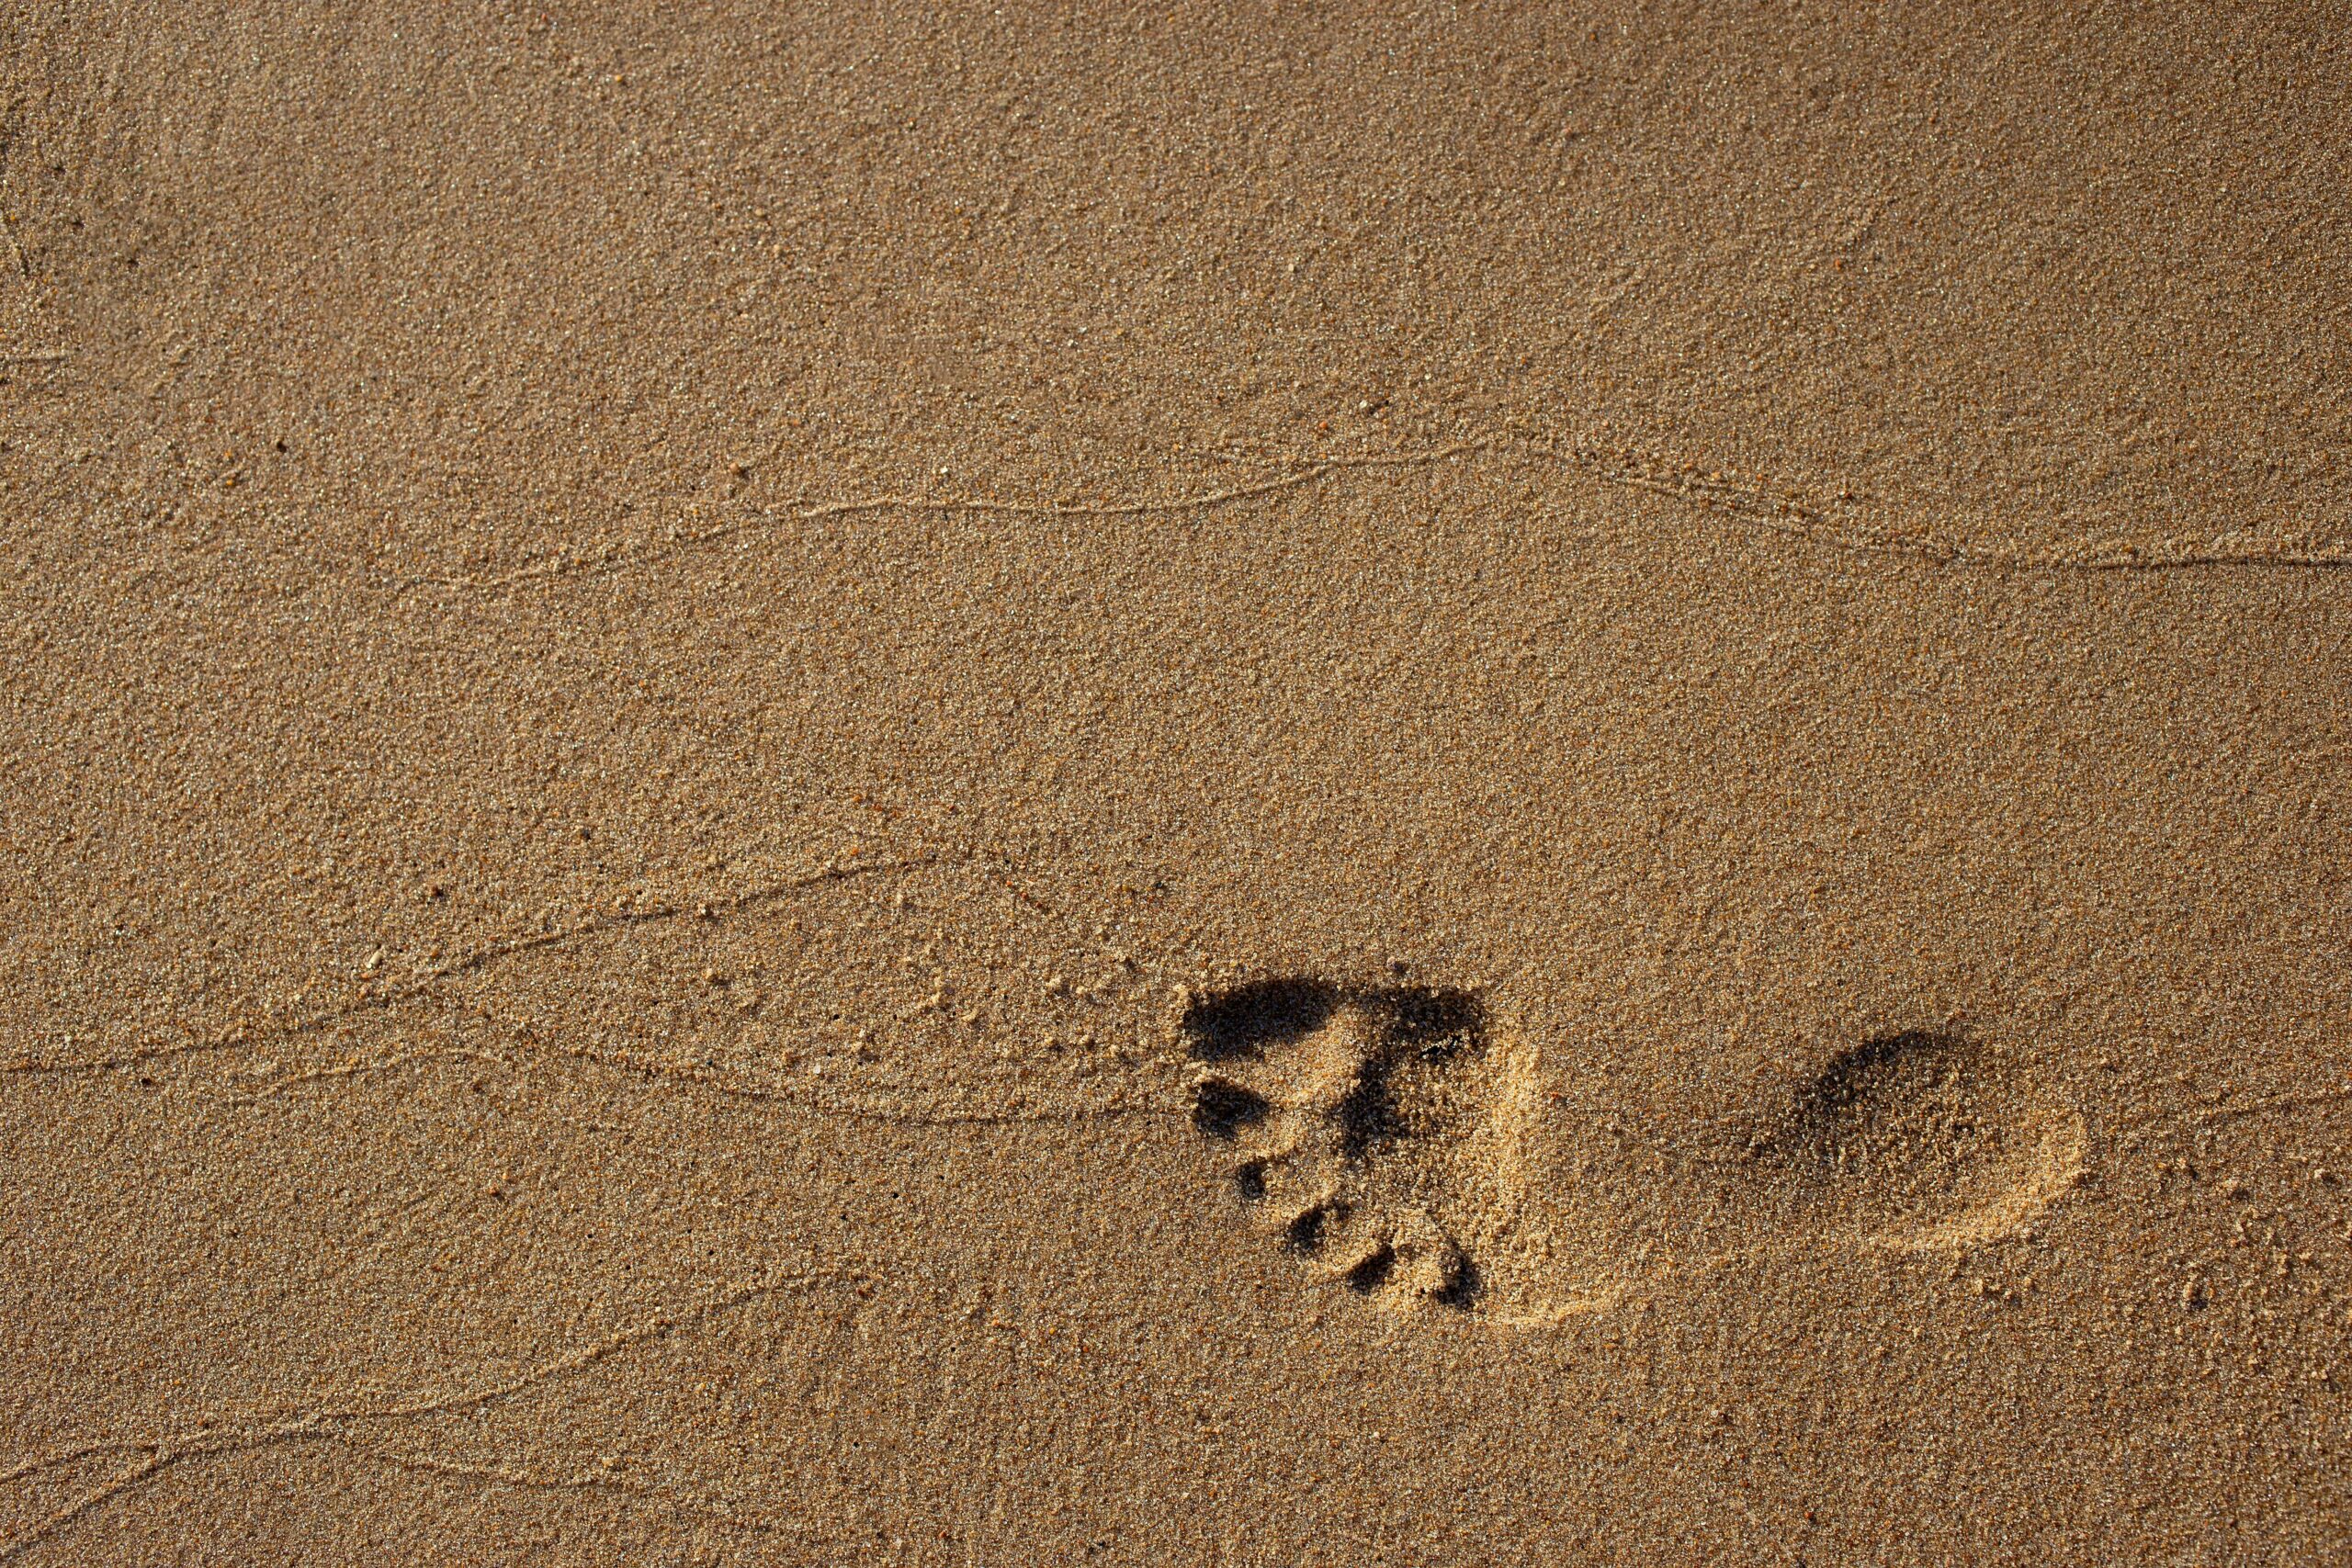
364, 1066
2213, 1116
1747, 503
335, 1422
708, 1508
426, 989
710, 1081
613, 557
239, 1036
1752, 503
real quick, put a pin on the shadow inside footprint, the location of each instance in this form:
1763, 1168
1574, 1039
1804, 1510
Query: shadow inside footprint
1425, 1028
1221, 1107
1909, 1138
1870, 1103
1461, 1292
1245, 1021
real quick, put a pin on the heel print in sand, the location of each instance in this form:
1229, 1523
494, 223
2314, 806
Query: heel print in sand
1905, 1144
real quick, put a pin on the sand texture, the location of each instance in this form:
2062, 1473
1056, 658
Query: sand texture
1261, 785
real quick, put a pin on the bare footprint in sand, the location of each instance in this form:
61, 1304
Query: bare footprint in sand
1391, 1137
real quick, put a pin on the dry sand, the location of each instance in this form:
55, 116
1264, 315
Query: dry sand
1001, 785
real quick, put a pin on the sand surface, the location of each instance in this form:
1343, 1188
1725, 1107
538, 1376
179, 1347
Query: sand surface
1277, 784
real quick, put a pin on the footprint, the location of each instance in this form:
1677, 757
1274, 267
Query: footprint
1348, 1110
1403, 1149
1910, 1143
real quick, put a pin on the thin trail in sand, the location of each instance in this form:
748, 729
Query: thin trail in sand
1741, 500
346, 1421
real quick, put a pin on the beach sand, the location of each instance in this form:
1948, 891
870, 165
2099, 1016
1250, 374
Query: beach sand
1220, 786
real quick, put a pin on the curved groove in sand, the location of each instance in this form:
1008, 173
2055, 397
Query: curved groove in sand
333, 1421
1743, 501
240, 1036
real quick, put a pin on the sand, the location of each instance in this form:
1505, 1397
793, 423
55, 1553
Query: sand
1222, 786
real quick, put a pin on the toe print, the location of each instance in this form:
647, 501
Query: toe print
1342, 1103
